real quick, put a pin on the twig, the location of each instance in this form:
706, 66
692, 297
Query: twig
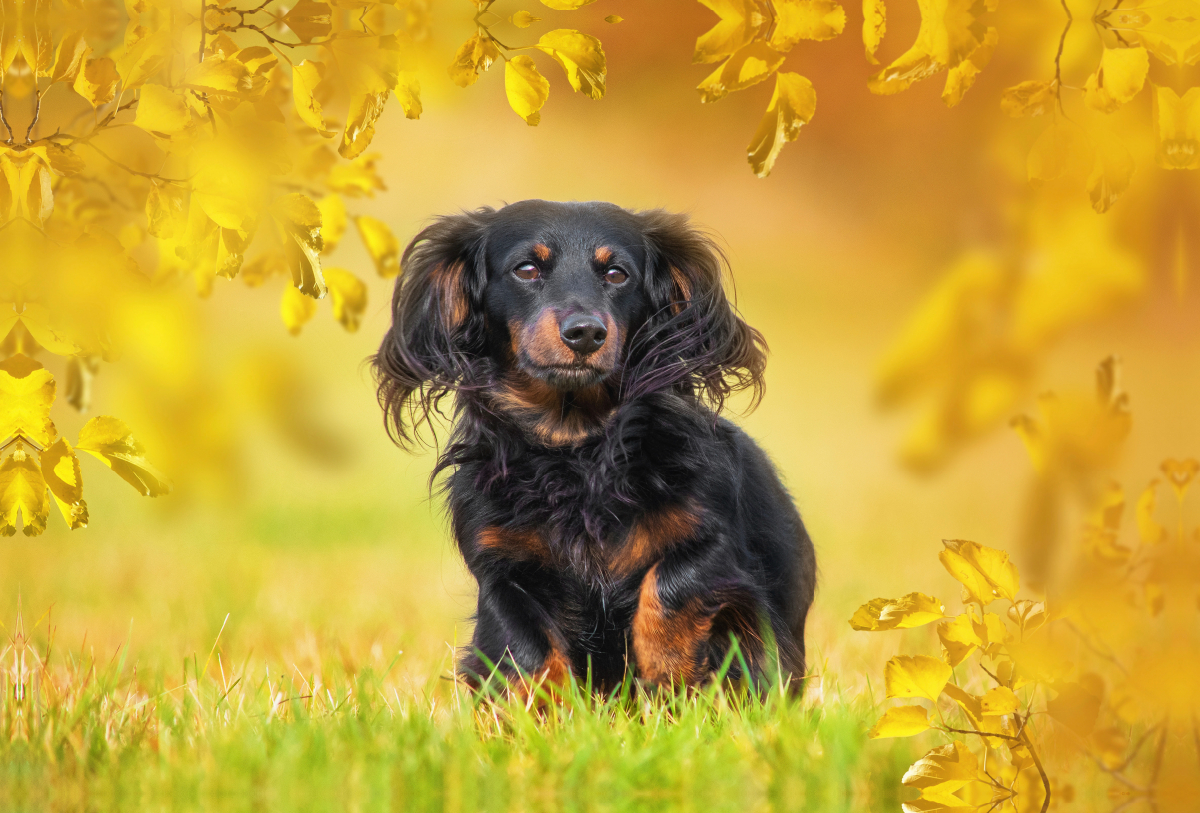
1038, 762
37, 110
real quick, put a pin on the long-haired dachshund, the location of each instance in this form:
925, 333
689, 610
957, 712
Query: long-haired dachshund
613, 521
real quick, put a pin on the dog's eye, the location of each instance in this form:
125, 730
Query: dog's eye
527, 271
615, 275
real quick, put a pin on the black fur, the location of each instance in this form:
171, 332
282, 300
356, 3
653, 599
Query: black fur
612, 519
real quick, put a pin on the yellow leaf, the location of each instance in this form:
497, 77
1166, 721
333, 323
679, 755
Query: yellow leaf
1111, 173
1120, 77
370, 69
916, 676
797, 20
523, 19
143, 53
474, 57
1031, 98
60, 470
26, 394
305, 78
69, 58
381, 244
47, 329
985, 572
309, 20
874, 27
166, 215
161, 112
900, 721
566, 5
972, 707
300, 220
408, 93
1150, 531
750, 65
333, 221
348, 295
793, 105
358, 178
952, 764
1028, 615
296, 309
999, 701
527, 89
1180, 474
22, 489
614, 19
1059, 150
580, 56
1077, 706
913, 610
28, 183
1177, 128
949, 39
958, 638
111, 441
740, 22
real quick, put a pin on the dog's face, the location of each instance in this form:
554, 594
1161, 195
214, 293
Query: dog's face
556, 312
565, 290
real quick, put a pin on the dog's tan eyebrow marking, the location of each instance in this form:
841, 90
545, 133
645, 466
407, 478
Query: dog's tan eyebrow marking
603, 254
542, 251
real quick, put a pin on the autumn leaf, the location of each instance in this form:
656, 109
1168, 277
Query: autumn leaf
741, 21
371, 69
309, 20
1111, 173
1060, 149
527, 90
750, 65
296, 309
1179, 474
950, 766
111, 441
69, 57
900, 721
348, 295
22, 489
300, 220
305, 77
1120, 77
1076, 706
1028, 615
161, 112
999, 701
60, 470
913, 610
333, 221
580, 56
985, 572
797, 20
958, 638
1149, 529
523, 19
27, 392
474, 57
1032, 98
1177, 128
166, 209
356, 179
874, 27
793, 105
916, 676
97, 81
381, 244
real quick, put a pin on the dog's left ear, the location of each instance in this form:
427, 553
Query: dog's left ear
694, 339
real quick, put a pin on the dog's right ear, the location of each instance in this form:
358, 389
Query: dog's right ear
437, 333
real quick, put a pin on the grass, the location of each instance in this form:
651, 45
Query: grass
87, 735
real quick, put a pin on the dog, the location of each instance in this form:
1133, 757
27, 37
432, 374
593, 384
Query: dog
616, 524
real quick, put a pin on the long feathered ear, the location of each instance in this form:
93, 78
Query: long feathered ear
694, 339
436, 341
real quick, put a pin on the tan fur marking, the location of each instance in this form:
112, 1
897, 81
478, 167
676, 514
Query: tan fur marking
513, 544
604, 254
667, 644
682, 294
542, 251
652, 535
539, 408
557, 667
452, 303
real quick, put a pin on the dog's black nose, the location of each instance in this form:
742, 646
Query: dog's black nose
583, 333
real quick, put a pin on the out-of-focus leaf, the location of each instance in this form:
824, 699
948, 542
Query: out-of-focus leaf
408, 93
300, 220
613, 19
356, 179
999, 701
523, 19
80, 372
1076, 706
333, 221
305, 78
985, 572
741, 21
527, 90
1111, 173
69, 58
580, 56
381, 244
797, 20
166, 209
916, 676
309, 20
958, 638
1061, 148
161, 112
1177, 128
296, 309
949, 39
23, 489
370, 67
913, 610
750, 65
474, 57
26, 394
1180, 474
566, 5
348, 295
97, 81
1032, 98
1120, 77
60, 470
1028, 615
793, 105
1149, 529
900, 721
111, 441
874, 27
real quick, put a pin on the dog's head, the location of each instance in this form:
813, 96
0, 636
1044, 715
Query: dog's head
561, 310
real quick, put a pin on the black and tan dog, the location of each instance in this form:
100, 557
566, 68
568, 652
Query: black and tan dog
613, 521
